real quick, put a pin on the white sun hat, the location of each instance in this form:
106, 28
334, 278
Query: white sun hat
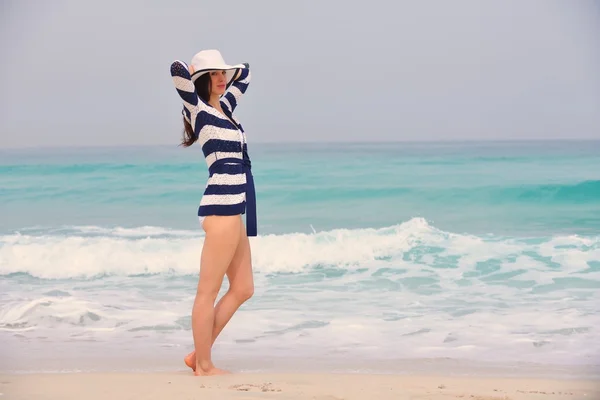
211, 60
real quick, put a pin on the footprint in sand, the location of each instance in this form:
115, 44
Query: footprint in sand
542, 392
250, 387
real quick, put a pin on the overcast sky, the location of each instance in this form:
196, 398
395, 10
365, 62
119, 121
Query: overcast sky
97, 72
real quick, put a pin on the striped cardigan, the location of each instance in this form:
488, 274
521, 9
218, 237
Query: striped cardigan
230, 186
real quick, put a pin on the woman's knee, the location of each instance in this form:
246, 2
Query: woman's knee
243, 292
206, 296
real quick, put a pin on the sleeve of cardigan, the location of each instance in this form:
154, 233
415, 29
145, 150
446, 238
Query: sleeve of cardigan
237, 88
192, 105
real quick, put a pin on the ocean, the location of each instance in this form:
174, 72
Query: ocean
368, 254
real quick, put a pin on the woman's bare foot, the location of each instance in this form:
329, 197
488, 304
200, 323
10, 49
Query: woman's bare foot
210, 371
190, 360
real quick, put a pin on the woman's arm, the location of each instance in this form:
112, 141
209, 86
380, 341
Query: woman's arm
237, 88
184, 85
192, 104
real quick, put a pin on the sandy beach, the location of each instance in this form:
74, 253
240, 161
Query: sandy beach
182, 385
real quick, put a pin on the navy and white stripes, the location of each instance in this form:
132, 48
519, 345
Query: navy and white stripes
227, 189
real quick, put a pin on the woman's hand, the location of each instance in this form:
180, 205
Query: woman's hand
239, 71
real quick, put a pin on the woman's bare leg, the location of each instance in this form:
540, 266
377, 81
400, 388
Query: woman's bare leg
220, 245
241, 288
241, 284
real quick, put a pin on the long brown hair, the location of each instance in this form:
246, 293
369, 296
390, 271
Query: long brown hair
203, 89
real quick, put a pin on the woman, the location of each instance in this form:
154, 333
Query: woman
210, 94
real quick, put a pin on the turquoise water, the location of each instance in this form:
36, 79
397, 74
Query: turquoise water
513, 188
485, 251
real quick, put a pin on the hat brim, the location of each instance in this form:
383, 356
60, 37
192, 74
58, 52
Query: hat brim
230, 74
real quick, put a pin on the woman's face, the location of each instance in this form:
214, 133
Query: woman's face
218, 82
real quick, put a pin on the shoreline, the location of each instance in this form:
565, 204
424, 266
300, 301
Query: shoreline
172, 363
330, 386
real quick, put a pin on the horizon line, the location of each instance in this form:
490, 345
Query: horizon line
295, 142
